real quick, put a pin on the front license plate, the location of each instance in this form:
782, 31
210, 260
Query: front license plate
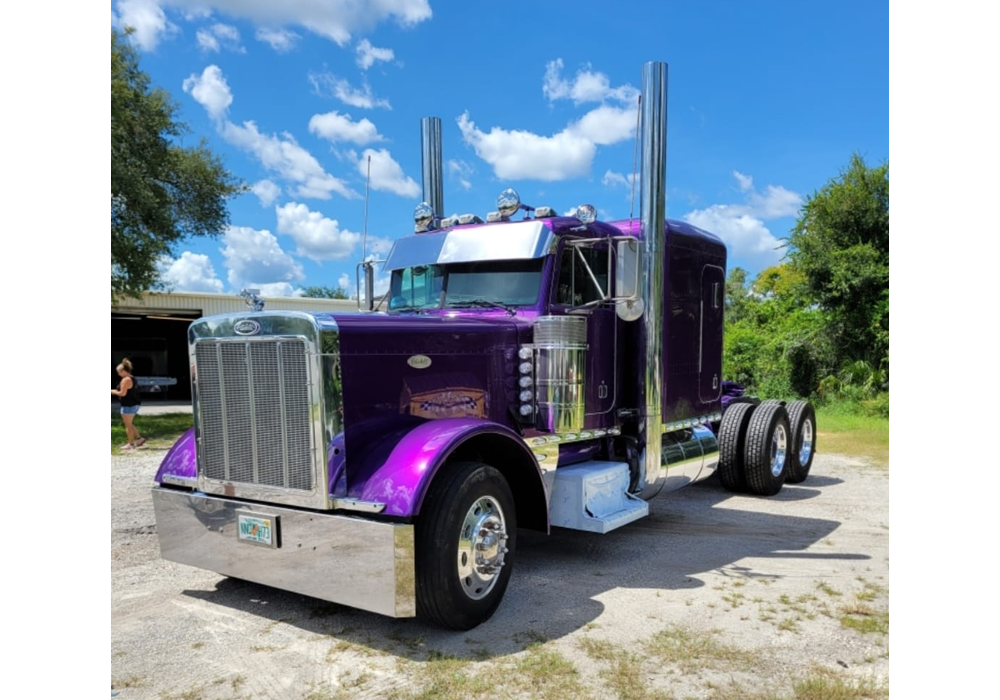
257, 528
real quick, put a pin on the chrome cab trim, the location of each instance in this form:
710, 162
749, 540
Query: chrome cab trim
358, 505
343, 559
518, 240
321, 340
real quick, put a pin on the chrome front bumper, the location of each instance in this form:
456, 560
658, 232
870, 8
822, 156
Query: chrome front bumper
352, 561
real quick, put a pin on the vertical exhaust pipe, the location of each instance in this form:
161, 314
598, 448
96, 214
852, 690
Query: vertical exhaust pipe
653, 214
432, 164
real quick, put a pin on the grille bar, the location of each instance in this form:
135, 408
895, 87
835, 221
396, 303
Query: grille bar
254, 409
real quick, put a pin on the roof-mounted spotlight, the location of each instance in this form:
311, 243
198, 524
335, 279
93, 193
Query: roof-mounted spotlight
586, 213
508, 202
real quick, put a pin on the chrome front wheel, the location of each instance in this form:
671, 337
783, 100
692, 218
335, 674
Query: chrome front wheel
482, 547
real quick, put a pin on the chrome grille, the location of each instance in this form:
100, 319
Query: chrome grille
254, 414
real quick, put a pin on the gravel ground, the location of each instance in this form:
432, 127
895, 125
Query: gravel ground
712, 595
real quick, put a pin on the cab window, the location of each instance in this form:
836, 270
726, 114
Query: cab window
575, 286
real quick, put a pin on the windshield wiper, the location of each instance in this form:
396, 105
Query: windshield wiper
484, 302
407, 307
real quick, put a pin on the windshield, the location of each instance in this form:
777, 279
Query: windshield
500, 282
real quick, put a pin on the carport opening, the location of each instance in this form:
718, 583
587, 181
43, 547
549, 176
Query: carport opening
156, 343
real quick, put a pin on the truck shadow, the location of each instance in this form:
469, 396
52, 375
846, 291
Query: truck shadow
558, 578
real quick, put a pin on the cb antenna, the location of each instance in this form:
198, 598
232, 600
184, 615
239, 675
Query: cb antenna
364, 240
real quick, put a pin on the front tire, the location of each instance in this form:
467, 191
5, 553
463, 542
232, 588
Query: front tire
465, 542
768, 445
802, 418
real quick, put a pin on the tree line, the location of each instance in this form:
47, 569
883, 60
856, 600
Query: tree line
817, 324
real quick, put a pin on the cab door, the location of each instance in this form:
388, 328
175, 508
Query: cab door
575, 287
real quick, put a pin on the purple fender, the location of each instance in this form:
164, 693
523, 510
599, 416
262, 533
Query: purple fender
181, 460
402, 480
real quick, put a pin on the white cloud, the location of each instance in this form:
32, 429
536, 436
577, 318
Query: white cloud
266, 192
776, 202
605, 125
191, 272
387, 175
586, 86
335, 127
378, 246
613, 179
286, 158
461, 171
148, 20
337, 20
328, 84
742, 226
344, 282
367, 55
255, 259
745, 181
281, 40
219, 36
315, 236
520, 154
277, 289
281, 155
211, 91
745, 235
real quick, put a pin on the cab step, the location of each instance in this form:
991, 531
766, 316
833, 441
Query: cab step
593, 496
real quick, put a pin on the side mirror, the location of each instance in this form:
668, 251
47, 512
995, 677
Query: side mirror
628, 277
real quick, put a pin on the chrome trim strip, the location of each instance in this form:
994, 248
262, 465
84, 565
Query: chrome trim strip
253, 412
284, 421
175, 480
357, 504
225, 427
343, 559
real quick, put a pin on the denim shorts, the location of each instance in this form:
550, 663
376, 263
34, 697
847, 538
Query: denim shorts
130, 410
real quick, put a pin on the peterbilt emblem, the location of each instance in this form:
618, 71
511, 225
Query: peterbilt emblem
246, 327
419, 362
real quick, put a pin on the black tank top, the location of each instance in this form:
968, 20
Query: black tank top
131, 398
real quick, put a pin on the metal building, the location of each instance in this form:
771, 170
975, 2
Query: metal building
152, 333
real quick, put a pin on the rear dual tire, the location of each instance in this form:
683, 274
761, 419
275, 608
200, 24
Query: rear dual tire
802, 418
768, 443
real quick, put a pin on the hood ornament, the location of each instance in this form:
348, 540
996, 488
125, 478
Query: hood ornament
253, 301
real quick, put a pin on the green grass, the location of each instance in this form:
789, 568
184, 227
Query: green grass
159, 430
844, 432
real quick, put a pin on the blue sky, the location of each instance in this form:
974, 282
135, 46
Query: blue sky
766, 102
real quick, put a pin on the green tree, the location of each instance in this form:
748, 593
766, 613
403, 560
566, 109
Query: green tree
321, 292
161, 192
841, 246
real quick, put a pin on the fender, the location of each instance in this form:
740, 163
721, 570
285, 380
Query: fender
402, 481
402, 478
181, 460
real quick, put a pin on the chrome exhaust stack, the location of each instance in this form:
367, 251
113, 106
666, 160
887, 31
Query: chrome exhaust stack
432, 164
652, 213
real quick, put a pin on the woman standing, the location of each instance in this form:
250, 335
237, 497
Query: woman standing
128, 395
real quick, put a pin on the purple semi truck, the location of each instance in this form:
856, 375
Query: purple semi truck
549, 371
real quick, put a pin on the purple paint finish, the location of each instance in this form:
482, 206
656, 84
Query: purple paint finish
181, 460
402, 481
692, 345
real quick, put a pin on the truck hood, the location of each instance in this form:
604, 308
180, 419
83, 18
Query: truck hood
400, 371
